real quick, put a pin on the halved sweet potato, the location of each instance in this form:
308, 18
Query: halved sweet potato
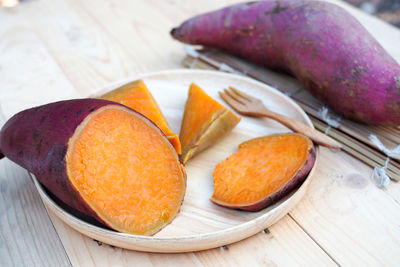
101, 158
204, 122
136, 96
263, 171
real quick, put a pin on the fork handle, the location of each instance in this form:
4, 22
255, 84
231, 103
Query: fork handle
296, 126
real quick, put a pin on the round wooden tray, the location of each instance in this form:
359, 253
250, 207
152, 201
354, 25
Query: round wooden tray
200, 224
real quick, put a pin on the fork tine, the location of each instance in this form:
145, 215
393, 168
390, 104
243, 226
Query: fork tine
242, 94
233, 103
234, 96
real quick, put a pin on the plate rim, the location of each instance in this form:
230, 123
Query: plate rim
152, 243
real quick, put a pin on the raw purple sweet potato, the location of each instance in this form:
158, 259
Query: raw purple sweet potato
264, 170
319, 43
102, 159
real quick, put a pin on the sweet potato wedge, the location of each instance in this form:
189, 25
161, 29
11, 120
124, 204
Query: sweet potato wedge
319, 43
204, 122
136, 96
101, 158
263, 171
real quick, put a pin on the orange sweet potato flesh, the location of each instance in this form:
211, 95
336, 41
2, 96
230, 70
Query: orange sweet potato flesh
137, 96
126, 171
204, 122
264, 170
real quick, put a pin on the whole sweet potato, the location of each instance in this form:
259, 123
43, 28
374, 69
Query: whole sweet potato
319, 43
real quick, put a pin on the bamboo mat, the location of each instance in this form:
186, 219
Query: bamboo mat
354, 137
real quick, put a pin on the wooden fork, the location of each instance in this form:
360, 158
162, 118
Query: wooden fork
251, 106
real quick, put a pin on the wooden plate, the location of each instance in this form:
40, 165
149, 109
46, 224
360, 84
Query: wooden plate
201, 224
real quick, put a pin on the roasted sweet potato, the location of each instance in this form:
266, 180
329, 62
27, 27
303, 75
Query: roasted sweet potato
263, 171
321, 44
101, 158
136, 96
204, 122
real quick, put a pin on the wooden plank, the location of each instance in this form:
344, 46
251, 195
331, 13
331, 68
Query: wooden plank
88, 56
27, 236
284, 244
351, 218
264, 245
29, 76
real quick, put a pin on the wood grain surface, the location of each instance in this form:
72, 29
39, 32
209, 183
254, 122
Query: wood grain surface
58, 49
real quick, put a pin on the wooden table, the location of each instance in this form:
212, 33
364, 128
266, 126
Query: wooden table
52, 50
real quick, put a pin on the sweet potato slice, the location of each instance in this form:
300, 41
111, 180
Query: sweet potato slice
263, 171
204, 122
136, 96
102, 159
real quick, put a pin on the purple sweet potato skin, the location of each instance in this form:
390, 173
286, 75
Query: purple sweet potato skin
319, 43
297, 180
37, 139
